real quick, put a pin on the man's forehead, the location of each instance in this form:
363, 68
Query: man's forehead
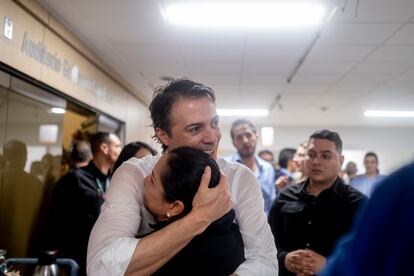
321, 145
243, 128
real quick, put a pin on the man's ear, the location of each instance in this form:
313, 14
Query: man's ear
342, 160
176, 208
104, 148
162, 136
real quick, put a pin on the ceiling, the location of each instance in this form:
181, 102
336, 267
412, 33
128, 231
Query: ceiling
364, 59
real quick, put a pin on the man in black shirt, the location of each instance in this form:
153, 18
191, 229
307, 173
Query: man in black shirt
77, 200
308, 218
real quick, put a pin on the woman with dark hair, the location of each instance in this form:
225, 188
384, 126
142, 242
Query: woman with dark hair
367, 182
134, 149
168, 195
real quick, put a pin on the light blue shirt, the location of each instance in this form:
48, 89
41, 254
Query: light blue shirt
366, 185
265, 175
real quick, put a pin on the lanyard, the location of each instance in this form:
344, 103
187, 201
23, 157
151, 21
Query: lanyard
102, 186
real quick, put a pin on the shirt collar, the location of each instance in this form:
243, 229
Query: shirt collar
92, 167
335, 187
259, 162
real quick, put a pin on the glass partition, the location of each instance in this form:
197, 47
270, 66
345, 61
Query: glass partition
31, 145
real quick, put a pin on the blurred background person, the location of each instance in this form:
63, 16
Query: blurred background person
381, 241
349, 172
78, 197
81, 154
286, 163
267, 155
300, 174
284, 175
135, 149
367, 182
244, 138
299, 159
22, 195
37, 170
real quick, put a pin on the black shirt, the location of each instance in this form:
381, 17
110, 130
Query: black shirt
77, 200
218, 251
300, 220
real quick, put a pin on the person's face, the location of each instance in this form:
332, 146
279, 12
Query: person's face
267, 157
142, 152
114, 148
244, 140
371, 165
324, 161
299, 159
351, 169
154, 196
194, 123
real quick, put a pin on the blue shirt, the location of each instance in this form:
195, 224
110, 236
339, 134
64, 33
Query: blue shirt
265, 175
366, 185
382, 241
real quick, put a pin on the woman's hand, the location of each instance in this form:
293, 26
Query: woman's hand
282, 182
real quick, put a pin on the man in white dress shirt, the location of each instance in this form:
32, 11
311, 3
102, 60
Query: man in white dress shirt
183, 114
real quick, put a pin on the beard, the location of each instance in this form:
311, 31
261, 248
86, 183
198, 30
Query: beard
246, 153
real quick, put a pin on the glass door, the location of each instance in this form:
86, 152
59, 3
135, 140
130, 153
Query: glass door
32, 123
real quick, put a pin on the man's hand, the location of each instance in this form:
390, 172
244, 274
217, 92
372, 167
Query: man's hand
299, 261
305, 262
212, 203
318, 261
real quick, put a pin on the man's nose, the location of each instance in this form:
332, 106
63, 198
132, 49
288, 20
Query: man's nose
315, 160
210, 135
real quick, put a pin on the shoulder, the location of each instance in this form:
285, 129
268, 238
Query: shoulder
231, 158
291, 190
264, 164
401, 180
359, 177
349, 193
144, 165
231, 168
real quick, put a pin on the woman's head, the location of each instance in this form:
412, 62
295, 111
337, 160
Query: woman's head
170, 189
300, 157
134, 149
371, 163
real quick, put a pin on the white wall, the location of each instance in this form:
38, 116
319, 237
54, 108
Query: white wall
394, 145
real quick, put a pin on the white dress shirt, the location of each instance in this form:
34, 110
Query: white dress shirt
112, 241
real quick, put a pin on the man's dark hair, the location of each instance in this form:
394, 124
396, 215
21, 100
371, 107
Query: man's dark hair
165, 96
97, 139
181, 179
130, 150
371, 154
262, 152
81, 151
240, 122
285, 155
328, 135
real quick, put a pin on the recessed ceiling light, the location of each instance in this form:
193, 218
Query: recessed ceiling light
57, 110
243, 112
244, 14
389, 113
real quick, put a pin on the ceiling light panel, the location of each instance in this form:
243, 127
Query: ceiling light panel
244, 14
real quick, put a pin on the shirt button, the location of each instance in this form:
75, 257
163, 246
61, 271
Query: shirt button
308, 244
309, 222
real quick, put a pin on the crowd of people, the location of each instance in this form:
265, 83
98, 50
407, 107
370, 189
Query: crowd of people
188, 211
